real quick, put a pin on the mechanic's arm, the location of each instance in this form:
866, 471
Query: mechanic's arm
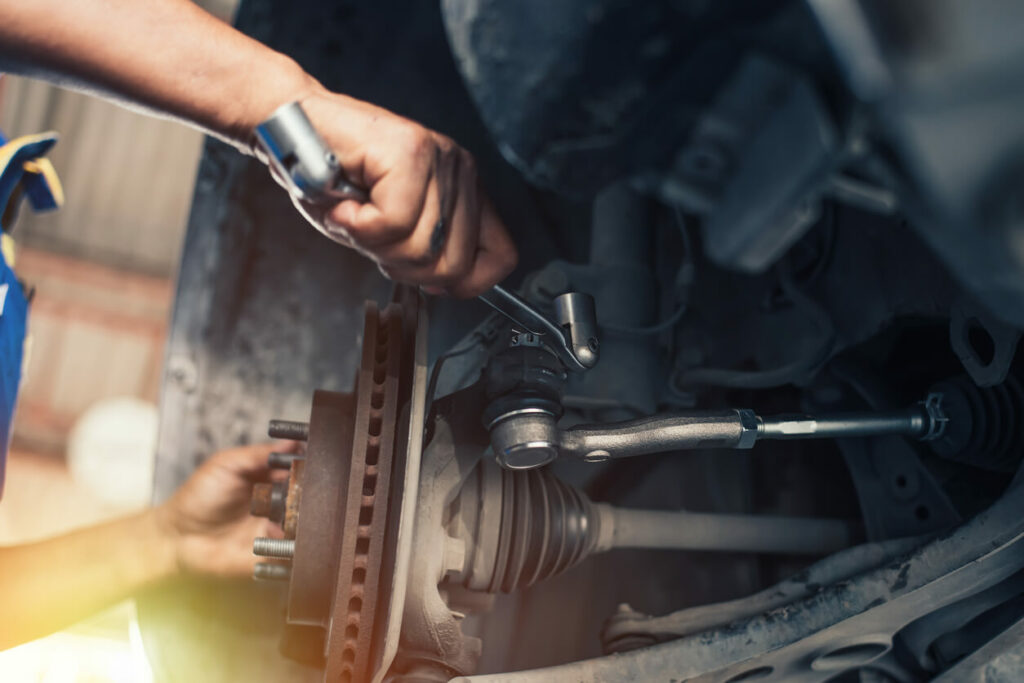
170, 56
205, 528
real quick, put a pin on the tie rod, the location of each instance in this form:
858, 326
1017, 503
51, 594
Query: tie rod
515, 436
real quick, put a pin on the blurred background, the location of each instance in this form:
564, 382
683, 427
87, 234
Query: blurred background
103, 270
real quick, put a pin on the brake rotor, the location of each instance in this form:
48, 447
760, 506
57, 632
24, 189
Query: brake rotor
344, 500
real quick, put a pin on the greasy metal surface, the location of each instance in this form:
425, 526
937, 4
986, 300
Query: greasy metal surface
560, 336
998, 661
723, 429
985, 345
621, 80
899, 495
685, 530
432, 635
318, 523
268, 310
628, 628
346, 517
402, 515
809, 641
912, 422
351, 647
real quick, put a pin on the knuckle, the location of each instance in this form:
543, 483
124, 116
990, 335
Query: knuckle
511, 258
388, 229
417, 140
468, 163
458, 264
468, 290
447, 273
415, 252
420, 254
446, 144
399, 227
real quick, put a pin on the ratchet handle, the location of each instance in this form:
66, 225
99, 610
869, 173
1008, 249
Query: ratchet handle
572, 336
302, 158
311, 170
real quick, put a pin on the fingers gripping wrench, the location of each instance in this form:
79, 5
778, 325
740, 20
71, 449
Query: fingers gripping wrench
310, 169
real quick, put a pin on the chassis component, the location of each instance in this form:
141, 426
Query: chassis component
532, 429
344, 500
720, 117
825, 630
350, 503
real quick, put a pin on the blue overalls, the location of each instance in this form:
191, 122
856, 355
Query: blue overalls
24, 174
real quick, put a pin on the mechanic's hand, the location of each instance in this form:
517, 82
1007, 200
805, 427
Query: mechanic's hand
428, 221
207, 520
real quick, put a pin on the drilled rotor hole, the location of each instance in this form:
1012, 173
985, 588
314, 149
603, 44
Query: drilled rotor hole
922, 513
345, 676
369, 485
348, 655
375, 425
362, 546
355, 605
752, 674
351, 632
380, 372
381, 354
372, 454
377, 400
365, 516
359, 576
982, 343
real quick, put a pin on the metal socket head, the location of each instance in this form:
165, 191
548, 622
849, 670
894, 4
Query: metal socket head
525, 439
576, 313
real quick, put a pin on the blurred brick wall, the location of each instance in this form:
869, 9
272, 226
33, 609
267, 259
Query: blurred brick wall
95, 332
104, 265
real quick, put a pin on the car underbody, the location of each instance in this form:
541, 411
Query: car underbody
801, 227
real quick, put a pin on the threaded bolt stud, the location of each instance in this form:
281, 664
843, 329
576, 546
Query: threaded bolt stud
282, 461
287, 429
265, 571
280, 548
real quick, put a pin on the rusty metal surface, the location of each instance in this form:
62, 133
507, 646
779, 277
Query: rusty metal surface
350, 646
268, 310
343, 509
317, 527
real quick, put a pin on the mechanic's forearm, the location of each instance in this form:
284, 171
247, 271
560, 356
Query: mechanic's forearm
48, 585
168, 56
